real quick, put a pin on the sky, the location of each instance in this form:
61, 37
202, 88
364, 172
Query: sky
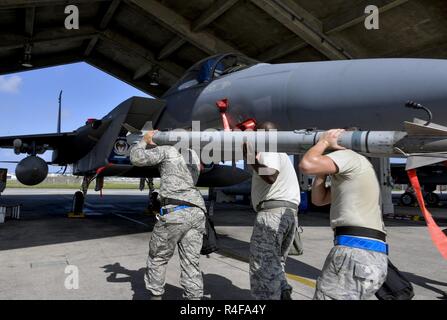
29, 101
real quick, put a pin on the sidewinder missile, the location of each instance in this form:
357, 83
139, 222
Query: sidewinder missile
419, 141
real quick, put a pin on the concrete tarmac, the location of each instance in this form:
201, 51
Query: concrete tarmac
109, 249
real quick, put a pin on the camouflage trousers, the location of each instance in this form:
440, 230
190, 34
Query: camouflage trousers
272, 237
351, 274
185, 229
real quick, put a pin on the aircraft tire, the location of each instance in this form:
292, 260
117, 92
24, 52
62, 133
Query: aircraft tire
407, 199
432, 199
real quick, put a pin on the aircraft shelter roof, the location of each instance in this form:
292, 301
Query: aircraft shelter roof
137, 40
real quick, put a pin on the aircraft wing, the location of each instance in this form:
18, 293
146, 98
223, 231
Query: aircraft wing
51, 140
218, 176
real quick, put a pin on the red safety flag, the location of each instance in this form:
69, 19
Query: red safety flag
99, 171
225, 122
438, 237
223, 105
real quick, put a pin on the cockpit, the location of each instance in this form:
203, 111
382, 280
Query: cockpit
211, 68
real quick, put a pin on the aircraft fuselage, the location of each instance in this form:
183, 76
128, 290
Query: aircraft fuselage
368, 94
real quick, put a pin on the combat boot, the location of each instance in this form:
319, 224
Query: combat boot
286, 295
154, 297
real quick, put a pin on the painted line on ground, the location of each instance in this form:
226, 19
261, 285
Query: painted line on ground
302, 280
130, 219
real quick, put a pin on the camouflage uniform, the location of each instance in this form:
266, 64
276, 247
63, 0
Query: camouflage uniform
272, 237
184, 228
351, 274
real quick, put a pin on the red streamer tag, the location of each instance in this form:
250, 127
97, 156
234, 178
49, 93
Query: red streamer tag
438, 237
101, 170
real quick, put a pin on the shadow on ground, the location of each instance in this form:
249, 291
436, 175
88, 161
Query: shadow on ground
44, 220
216, 287
237, 249
427, 284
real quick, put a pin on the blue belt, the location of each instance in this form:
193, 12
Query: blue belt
361, 243
169, 210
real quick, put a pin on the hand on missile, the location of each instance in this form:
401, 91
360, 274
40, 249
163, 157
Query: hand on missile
148, 137
248, 153
330, 138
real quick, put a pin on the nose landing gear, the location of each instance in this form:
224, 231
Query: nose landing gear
77, 210
78, 206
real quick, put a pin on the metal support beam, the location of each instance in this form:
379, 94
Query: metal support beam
212, 13
142, 71
297, 24
207, 17
331, 25
103, 25
169, 70
91, 45
205, 41
172, 70
39, 62
30, 14
357, 15
282, 50
313, 21
49, 37
14, 4
109, 14
110, 67
171, 47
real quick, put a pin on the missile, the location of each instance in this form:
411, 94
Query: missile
290, 142
423, 143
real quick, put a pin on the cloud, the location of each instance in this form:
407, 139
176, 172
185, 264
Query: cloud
10, 84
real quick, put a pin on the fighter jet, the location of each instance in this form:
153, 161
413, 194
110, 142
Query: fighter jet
367, 94
99, 149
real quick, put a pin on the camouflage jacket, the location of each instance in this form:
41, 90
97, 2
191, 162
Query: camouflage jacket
178, 175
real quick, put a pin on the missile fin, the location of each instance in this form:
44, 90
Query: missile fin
417, 128
131, 129
148, 126
415, 162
